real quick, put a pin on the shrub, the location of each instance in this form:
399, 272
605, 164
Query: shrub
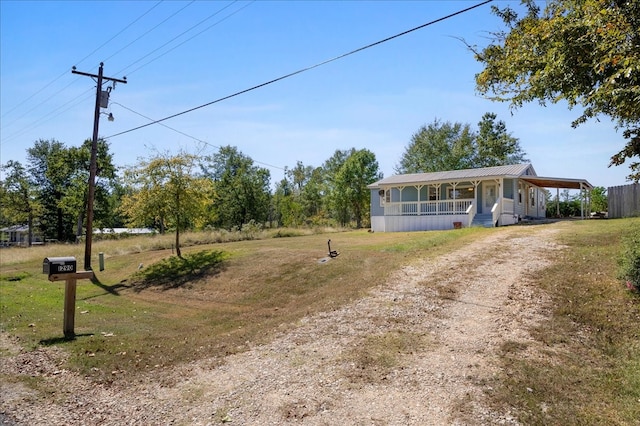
630, 260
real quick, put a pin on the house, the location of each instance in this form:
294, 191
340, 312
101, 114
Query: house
118, 231
490, 196
18, 235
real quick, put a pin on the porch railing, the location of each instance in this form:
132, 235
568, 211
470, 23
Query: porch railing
471, 213
496, 211
418, 208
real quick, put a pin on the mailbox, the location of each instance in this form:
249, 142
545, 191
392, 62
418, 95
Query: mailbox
58, 265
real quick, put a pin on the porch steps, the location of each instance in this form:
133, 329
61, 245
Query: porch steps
483, 220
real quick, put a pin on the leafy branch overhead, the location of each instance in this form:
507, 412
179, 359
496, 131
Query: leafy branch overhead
584, 52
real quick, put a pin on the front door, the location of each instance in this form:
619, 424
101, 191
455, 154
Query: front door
490, 197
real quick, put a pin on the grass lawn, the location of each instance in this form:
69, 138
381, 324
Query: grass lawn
127, 323
586, 367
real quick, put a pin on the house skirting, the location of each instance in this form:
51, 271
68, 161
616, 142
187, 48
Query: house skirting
417, 223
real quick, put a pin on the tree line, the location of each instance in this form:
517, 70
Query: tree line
226, 190
178, 192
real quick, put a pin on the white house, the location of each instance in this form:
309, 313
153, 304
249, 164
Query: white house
18, 235
490, 196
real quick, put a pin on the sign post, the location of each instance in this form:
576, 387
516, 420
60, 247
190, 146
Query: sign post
64, 269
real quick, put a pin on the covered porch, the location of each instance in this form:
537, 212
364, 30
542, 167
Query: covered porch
444, 205
490, 196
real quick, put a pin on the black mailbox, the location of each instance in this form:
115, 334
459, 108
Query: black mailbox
58, 265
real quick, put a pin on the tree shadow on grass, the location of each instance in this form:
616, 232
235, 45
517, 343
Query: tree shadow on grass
176, 271
62, 339
111, 289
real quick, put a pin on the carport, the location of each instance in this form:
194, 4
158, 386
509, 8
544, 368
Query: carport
560, 183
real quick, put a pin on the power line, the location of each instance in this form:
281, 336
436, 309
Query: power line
48, 117
34, 94
180, 35
150, 30
52, 114
78, 63
120, 32
344, 55
191, 137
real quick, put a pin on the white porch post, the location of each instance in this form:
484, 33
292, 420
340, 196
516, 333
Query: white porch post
419, 187
438, 185
453, 192
501, 198
476, 184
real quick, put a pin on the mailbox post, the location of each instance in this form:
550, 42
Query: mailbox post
64, 269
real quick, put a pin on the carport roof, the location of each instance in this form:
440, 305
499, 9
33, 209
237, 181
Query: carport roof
564, 183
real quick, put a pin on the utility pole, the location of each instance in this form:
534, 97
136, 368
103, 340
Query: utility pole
93, 167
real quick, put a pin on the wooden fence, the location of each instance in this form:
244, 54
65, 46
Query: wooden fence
624, 201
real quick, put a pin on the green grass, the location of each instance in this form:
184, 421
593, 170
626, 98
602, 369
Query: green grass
210, 304
587, 367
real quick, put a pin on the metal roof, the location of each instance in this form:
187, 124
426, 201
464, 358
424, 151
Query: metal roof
515, 170
548, 182
522, 171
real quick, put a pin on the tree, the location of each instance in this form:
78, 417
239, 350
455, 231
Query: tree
106, 183
288, 210
241, 189
494, 145
167, 191
599, 200
437, 147
50, 174
19, 196
60, 176
584, 52
359, 170
334, 200
313, 194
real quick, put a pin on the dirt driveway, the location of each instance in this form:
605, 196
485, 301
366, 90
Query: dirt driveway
420, 350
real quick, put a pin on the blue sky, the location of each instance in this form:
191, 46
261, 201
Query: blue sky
375, 99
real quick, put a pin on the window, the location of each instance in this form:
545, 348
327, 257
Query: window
532, 196
432, 194
520, 189
460, 193
385, 196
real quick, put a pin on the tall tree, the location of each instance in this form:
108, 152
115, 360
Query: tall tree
287, 207
105, 184
437, 147
242, 191
313, 193
61, 175
334, 200
359, 170
167, 190
49, 172
494, 145
584, 52
19, 197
